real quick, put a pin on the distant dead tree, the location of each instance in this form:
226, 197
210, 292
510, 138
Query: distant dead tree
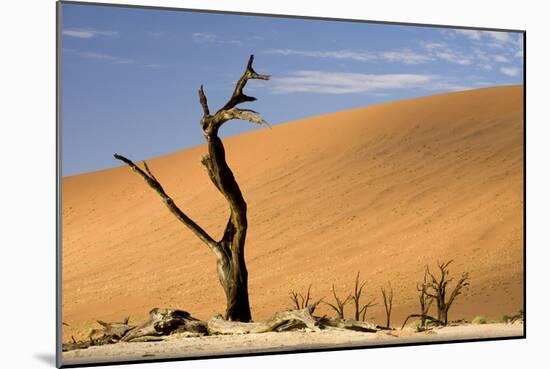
229, 250
302, 301
424, 300
339, 304
436, 288
360, 310
388, 304
425, 304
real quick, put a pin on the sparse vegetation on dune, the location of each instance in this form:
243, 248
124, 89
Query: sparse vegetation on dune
479, 320
166, 323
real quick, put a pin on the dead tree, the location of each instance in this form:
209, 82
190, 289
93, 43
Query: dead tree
425, 304
229, 250
339, 304
300, 301
424, 300
388, 304
360, 311
436, 288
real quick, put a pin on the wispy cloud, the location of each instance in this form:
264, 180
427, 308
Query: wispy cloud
501, 40
204, 38
501, 59
434, 45
405, 56
105, 57
510, 71
499, 36
338, 54
88, 33
323, 82
471, 34
453, 57
154, 65
256, 38
486, 48
402, 56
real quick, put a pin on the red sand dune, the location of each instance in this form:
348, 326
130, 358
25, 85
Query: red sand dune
383, 190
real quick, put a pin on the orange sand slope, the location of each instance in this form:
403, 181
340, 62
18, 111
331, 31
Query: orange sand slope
383, 190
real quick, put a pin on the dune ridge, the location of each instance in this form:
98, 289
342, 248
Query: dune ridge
383, 189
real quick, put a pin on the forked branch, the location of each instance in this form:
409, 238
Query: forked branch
340, 304
152, 181
360, 310
238, 95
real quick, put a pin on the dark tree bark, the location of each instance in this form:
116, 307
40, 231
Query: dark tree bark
229, 250
436, 288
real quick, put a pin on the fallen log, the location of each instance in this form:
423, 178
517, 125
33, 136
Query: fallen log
349, 324
165, 322
109, 333
161, 323
281, 321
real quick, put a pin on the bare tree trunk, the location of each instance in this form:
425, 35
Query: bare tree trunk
388, 304
229, 251
438, 289
231, 265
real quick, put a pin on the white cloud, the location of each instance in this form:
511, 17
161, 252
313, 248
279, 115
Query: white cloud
339, 54
488, 47
105, 57
434, 45
501, 59
344, 83
510, 71
202, 38
87, 33
498, 36
471, 34
453, 57
447, 86
401, 56
478, 54
486, 66
405, 56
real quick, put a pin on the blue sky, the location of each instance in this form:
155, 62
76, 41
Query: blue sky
130, 76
